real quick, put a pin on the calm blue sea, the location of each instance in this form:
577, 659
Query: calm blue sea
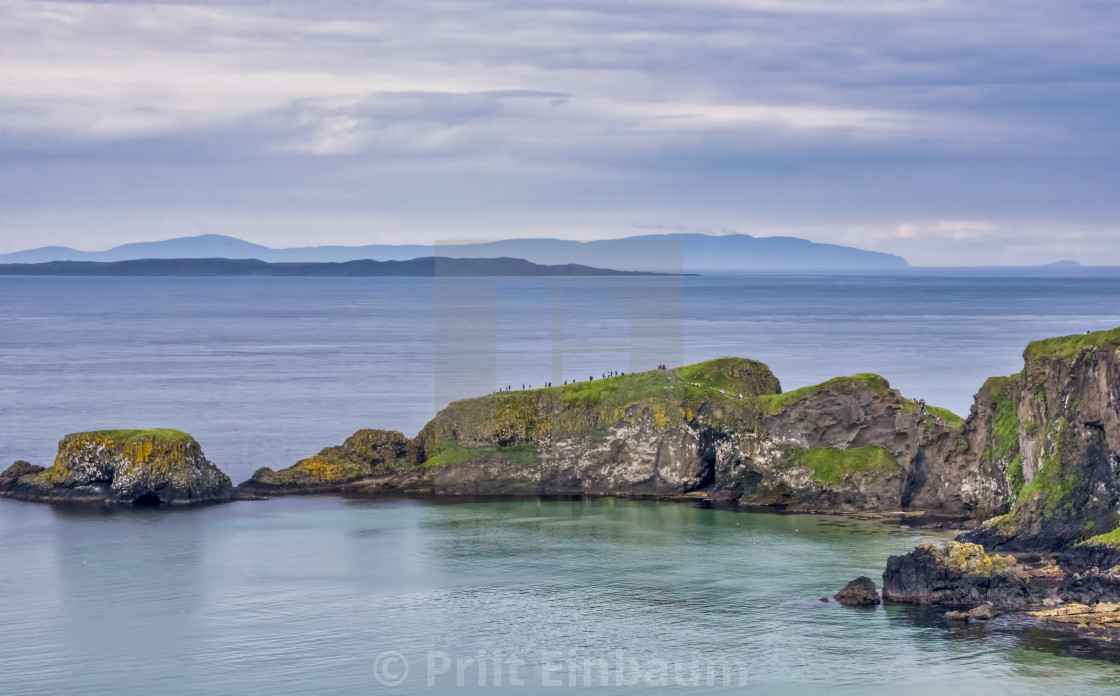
328, 595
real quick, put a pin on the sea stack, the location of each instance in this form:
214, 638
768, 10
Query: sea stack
124, 467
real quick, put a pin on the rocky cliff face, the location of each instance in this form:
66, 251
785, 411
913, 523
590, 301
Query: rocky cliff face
142, 467
1064, 434
974, 471
720, 429
847, 444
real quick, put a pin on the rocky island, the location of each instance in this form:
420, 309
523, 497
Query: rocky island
1034, 468
133, 467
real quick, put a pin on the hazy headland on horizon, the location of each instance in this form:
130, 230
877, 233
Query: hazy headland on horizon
665, 253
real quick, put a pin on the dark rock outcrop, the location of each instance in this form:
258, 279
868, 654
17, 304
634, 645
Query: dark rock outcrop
133, 467
14, 473
968, 471
1083, 557
955, 575
860, 592
1091, 586
1092, 574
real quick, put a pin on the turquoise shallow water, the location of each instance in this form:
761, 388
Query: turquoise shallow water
303, 595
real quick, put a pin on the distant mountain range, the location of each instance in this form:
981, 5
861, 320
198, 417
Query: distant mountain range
674, 253
427, 266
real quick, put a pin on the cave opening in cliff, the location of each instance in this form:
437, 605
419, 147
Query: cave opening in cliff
148, 500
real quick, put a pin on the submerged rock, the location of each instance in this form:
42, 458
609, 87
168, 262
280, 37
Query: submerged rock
984, 612
957, 575
134, 467
860, 592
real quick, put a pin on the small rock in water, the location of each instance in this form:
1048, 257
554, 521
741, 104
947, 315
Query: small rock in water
1052, 602
984, 612
956, 616
860, 592
824, 599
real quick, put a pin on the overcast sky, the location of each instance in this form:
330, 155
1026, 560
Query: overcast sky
951, 132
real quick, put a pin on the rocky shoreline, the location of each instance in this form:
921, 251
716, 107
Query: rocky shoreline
1035, 467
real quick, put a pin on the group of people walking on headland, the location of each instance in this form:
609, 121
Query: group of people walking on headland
548, 385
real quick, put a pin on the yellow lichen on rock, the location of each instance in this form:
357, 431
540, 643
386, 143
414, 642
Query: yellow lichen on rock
971, 559
129, 466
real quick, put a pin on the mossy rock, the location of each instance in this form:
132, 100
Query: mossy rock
321, 469
1004, 393
971, 559
377, 447
154, 466
365, 453
832, 466
1111, 539
451, 453
777, 403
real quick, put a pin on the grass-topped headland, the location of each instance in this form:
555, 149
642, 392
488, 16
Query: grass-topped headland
670, 397
732, 375
1072, 346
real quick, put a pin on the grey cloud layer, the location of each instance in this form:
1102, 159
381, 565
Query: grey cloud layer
883, 123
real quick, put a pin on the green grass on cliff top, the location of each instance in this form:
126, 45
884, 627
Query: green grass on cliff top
734, 375
1071, 346
691, 385
129, 436
831, 466
623, 390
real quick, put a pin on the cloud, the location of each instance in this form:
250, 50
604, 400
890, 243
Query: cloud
911, 125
